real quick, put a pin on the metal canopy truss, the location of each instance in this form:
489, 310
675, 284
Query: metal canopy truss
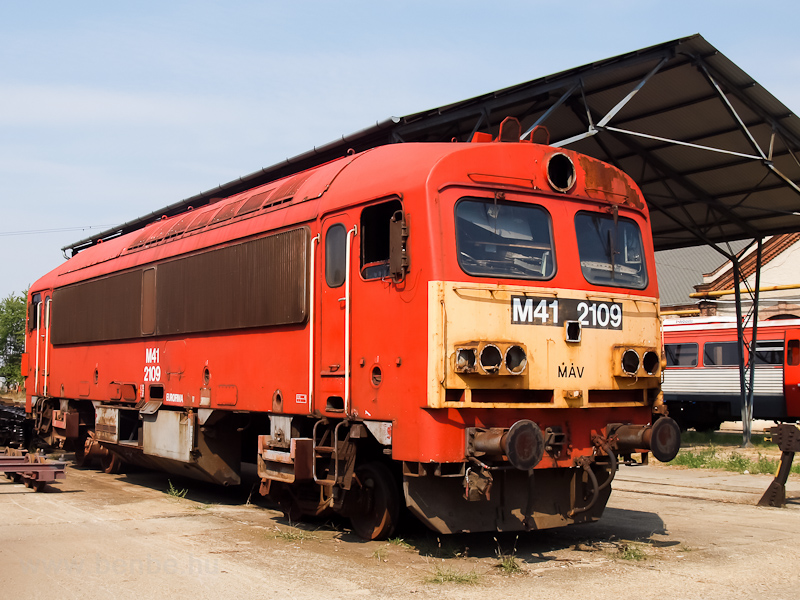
747, 370
715, 154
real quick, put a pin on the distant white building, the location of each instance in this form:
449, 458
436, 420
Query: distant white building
704, 272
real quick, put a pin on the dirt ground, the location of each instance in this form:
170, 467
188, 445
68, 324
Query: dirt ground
667, 533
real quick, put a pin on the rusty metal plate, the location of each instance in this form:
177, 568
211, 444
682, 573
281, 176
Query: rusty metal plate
169, 434
107, 424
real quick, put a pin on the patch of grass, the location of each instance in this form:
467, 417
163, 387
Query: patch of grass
631, 551
712, 458
293, 535
174, 492
446, 550
400, 542
509, 564
696, 438
443, 575
381, 554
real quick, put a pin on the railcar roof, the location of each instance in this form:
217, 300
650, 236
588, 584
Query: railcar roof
715, 154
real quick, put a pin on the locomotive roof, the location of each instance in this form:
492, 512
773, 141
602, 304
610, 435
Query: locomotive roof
301, 198
714, 153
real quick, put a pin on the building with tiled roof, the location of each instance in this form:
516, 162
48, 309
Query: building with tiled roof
705, 274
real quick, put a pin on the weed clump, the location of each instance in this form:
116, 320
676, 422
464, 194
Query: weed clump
174, 492
443, 575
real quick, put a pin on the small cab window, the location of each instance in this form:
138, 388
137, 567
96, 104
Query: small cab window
335, 255
33, 312
611, 252
375, 237
719, 354
681, 355
511, 240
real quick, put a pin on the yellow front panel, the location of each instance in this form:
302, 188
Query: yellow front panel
466, 314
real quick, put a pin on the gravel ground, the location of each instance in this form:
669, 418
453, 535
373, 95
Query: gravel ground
667, 533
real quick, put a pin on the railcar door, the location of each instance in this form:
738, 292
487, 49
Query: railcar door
334, 278
791, 373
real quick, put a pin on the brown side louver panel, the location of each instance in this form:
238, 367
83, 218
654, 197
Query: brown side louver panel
106, 309
254, 284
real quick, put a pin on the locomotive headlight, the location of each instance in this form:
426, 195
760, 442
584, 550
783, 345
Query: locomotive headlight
650, 362
516, 359
465, 360
491, 358
630, 362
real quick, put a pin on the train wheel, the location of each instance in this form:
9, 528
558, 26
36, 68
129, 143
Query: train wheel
82, 447
377, 508
111, 463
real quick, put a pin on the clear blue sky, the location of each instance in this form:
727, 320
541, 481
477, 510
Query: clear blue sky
110, 110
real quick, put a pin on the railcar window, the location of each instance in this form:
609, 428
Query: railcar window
611, 253
375, 222
769, 352
335, 255
504, 240
681, 355
793, 352
718, 354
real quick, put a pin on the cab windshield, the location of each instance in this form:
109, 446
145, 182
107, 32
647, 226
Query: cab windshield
504, 239
610, 251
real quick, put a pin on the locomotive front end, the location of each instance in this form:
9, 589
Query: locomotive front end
547, 355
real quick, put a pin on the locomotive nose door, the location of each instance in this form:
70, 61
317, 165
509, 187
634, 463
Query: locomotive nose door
333, 282
791, 373
39, 324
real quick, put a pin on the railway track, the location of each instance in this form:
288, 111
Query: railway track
12, 424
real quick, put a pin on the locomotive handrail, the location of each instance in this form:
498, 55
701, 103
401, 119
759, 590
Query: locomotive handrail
313, 276
46, 341
347, 270
38, 338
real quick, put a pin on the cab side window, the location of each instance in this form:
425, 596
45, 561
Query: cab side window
375, 238
33, 312
335, 255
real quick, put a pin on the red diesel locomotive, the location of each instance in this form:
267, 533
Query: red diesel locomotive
469, 330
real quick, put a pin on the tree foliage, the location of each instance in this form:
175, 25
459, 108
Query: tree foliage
12, 336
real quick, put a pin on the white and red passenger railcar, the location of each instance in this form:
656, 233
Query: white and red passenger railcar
701, 379
468, 330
